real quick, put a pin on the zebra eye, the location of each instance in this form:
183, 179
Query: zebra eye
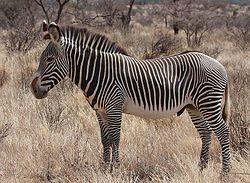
49, 59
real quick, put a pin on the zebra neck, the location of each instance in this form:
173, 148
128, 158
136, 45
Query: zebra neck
84, 68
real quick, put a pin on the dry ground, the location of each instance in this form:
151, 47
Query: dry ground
57, 139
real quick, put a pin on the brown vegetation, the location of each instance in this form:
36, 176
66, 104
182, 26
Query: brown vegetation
58, 140
3, 77
239, 125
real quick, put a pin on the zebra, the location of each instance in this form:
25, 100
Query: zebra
114, 83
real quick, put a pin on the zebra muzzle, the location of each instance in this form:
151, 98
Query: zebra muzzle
37, 90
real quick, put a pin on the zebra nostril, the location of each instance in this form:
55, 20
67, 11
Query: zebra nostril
34, 85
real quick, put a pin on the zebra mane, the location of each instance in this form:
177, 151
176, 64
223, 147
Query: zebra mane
94, 38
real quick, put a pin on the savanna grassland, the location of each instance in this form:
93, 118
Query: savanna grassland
57, 139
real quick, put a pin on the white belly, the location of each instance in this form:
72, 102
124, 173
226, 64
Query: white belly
132, 108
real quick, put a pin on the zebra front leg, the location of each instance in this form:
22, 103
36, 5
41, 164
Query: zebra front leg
205, 133
105, 138
114, 118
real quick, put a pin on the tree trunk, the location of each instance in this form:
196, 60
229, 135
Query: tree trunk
176, 28
175, 24
166, 21
126, 19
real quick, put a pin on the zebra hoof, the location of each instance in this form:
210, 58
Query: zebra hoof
224, 174
224, 177
114, 166
104, 167
202, 166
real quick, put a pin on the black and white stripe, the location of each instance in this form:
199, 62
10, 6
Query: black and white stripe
115, 83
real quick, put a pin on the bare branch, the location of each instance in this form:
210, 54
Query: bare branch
195, 18
61, 6
45, 11
131, 3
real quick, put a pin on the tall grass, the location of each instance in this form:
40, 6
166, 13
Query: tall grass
58, 140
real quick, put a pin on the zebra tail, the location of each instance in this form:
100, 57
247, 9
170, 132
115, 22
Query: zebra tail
226, 108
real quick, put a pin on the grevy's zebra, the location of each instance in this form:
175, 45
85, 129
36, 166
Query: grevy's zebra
115, 83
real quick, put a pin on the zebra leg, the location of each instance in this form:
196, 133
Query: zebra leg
205, 132
105, 137
114, 118
218, 125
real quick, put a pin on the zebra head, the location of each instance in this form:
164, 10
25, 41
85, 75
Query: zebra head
53, 66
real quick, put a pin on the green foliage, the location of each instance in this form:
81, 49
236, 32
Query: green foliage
147, 1
242, 2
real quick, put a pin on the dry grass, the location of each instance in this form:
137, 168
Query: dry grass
58, 140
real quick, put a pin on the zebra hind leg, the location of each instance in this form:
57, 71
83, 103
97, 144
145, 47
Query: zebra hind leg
205, 132
219, 126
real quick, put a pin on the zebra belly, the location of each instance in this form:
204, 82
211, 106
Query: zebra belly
134, 109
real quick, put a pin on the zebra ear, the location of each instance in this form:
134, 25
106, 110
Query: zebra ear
54, 31
45, 26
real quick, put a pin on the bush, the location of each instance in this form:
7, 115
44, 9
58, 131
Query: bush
18, 18
23, 71
166, 44
239, 31
50, 112
212, 51
3, 77
239, 122
4, 130
20, 39
25, 77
